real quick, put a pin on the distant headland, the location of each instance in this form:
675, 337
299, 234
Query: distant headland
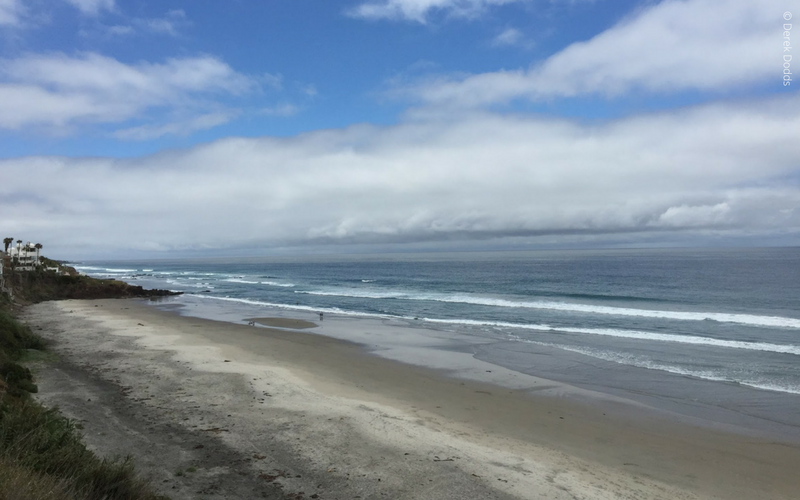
28, 277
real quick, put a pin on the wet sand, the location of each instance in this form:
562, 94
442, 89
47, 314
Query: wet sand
297, 324
278, 411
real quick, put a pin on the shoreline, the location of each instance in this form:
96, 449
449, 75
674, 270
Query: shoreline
490, 441
466, 354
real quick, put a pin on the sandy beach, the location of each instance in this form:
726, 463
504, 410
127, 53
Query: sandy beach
219, 410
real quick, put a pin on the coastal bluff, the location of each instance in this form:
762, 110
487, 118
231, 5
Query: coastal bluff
42, 285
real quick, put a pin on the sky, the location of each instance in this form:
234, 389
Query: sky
141, 128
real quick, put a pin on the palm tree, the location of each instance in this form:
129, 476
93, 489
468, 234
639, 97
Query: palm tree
15, 260
19, 249
7, 242
38, 247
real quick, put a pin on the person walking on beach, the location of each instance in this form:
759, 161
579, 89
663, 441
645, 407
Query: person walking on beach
320, 316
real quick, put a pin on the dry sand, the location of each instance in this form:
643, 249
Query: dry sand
218, 410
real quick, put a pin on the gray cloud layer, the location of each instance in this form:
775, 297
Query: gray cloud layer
730, 168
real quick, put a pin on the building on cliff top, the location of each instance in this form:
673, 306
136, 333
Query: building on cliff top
23, 257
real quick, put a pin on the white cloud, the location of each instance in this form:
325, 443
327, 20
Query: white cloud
418, 10
284, 109
10, 12
58, 90
698, 215
180, 128
92, 7
164, 26
274, 81
120, 30
510, 36
673, 46
167, 25
731, 169
310, 90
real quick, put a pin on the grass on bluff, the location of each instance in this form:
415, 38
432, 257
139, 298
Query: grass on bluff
42, 444
15, 337
42, 456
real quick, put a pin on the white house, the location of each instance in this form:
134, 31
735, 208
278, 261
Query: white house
24, 257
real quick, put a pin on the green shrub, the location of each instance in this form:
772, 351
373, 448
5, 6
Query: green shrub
13, 372
42, 456
16, 337
45, 443
18, 483
17, 378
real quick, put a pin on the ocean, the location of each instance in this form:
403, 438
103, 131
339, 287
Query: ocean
705, 334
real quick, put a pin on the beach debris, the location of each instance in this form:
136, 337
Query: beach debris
272, 477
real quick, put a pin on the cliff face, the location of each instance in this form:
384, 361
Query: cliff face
37, 286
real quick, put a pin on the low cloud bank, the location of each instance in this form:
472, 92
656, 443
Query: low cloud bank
732, 168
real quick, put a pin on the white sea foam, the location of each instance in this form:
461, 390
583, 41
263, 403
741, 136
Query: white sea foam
105, 269
275, 283
360, 294
633, 334
642, 362
610, 332
743, 319
334, 310
191, 285
248, 282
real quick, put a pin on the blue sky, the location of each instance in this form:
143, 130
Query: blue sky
324, 68
518, 122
